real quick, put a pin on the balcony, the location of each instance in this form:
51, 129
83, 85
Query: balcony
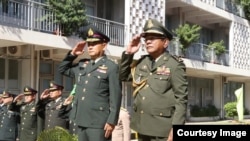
31, 15
200, 52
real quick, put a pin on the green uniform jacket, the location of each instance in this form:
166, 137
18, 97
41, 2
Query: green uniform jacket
28, 120
162, 101
98, 90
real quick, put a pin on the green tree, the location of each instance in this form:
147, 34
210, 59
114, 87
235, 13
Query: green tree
69, 14
187, 35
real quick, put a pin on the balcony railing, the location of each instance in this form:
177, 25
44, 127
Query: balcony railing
200, 52
32, 15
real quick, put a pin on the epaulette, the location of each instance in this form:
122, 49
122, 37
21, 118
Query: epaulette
84, 60
135, 62
177, 58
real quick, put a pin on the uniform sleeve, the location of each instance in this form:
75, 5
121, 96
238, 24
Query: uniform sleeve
115, 95
66, 67
180, 84
126, 126
64, 111
125, 69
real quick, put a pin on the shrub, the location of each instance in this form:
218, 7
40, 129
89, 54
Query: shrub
230, 109
208, 111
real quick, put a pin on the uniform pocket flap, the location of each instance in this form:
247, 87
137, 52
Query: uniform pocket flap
161, 112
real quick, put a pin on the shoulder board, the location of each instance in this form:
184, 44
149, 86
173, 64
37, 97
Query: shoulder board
177, 58
135, 62
113, 60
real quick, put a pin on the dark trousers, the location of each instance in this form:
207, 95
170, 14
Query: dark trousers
91, 134
150, 138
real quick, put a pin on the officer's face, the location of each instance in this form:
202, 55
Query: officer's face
96, 49
155, 44
1, 100
55, 94
29, 98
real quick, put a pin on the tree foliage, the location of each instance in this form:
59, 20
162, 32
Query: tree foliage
56, 134
187, 34
69, 14
246, 7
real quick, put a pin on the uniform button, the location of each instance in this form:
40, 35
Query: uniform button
150, 73
86, 82
161, 114
32, 133
23, 123
22, 128
89, 74
160, 78
50, 115
83, 98
142, 112
84, 90
143, 98
101, 108
99, 77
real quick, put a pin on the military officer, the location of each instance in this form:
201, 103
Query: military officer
8, 119
28, 113
159, 79
122, 129
1, 101
68, 111
51, 102
98, 89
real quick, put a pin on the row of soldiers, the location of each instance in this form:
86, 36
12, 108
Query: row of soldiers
19, 112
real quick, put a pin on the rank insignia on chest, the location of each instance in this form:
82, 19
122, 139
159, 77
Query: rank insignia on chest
163, 70
33, 109
102, 69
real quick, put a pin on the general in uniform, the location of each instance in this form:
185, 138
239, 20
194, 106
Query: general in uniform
98, 88
159, 79
28, 113
8, 119
50, 103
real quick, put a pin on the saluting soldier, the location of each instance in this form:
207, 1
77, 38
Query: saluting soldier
28, 113
159, 79
68, 111
8, 119
98, 88
50, 104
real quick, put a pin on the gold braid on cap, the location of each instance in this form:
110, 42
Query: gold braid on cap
137, 85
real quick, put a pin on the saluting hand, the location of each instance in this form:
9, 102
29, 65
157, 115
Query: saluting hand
45, 94
68, 100
18, 98
79, 48
108, 129
134, 45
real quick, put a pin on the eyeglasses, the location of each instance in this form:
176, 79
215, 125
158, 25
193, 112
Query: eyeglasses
152, 38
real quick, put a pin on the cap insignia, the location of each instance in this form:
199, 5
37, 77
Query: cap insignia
26, 89
51, 84
90, 32
4, 92
150, 24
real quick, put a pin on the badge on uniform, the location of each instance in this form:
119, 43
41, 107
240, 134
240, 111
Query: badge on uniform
163, 70
33, 109
102, 69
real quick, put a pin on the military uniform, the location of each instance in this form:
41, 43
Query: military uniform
122, 129
49, 109
28, 116
69, 112
98, 90
160, 95
8, 121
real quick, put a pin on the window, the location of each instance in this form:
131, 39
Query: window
46, 68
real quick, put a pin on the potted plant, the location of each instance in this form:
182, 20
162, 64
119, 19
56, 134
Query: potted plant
215, 49
69, 15
187, 34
